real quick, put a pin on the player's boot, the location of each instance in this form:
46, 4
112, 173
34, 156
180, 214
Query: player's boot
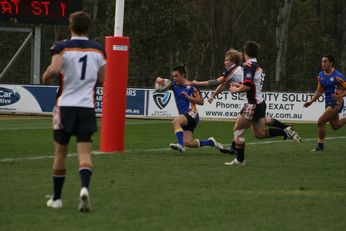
84, 200
292, 134
229, 150
177, 147
236, 162
216, 144
55, 204
319, 148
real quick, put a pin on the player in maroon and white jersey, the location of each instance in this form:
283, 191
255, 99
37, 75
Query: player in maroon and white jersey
253, 113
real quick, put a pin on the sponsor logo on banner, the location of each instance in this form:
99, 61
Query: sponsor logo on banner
161, 104
162, 99
8, 96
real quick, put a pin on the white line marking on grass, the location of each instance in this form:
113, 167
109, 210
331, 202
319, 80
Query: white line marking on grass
150, 150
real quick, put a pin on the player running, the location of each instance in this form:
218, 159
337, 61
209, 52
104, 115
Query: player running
80, 63
333, 84
234, 74
186, 98
253, 113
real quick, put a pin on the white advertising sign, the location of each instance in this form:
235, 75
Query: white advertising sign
283, 106
17, 99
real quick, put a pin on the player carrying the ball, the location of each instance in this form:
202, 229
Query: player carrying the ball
186, 97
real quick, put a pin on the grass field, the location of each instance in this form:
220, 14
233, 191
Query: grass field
284, 185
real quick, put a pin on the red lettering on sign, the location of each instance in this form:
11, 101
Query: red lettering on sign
16, 2
62, 7
46, 7
6, 7
39, 8
36, 9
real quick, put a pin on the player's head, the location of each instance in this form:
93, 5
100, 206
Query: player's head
327, 62
251, 49
232, 57
80, 23
179, 73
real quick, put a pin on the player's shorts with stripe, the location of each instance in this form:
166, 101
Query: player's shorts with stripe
338, 106
254, 112
192, 120
78, 121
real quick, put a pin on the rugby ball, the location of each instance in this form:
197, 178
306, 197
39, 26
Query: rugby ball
161, 86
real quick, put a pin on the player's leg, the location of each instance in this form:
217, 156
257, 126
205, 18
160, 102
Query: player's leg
189, 141
84, 149
289, 131
178, 123
335, 121
327, 115
85, 127
61, 140
239, 130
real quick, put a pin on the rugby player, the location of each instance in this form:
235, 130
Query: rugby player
253, 113
235, 74
333, 84
186, 98
80, 63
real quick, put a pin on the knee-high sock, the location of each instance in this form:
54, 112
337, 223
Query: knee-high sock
58, 183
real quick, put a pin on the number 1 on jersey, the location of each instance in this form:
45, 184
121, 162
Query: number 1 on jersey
84, 61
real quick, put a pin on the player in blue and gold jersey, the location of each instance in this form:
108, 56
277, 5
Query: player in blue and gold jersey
186, 98
333, 84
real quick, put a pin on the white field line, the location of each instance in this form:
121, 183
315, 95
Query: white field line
153, 150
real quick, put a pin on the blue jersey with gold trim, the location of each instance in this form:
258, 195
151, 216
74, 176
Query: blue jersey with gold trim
331, 83
183, 104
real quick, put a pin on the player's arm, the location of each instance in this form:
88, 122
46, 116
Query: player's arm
217, 91
319, 91
53, 69
195, 97
341, 92
213, 82
238, 88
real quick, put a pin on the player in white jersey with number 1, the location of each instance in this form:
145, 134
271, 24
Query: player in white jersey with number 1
253, 113
79, 63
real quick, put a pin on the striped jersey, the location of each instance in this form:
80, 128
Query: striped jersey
331, 83
82, 62
253, 78
233, 74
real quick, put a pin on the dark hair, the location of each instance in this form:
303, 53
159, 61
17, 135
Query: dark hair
80, 22
180, 69
251, 49
330, 58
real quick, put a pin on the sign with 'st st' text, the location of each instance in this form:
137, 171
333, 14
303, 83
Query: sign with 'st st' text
39, 11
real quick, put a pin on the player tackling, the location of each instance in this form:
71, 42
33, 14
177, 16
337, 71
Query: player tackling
79, 63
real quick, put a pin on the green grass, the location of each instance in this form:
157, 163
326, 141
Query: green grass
284, 186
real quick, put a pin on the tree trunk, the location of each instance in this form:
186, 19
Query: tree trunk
343, 39
281, 40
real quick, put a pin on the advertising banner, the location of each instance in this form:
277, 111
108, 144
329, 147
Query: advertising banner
135, 101
283, 106
147, 103
27, 99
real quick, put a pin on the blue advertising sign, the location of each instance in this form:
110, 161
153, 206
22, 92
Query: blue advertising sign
135, 101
